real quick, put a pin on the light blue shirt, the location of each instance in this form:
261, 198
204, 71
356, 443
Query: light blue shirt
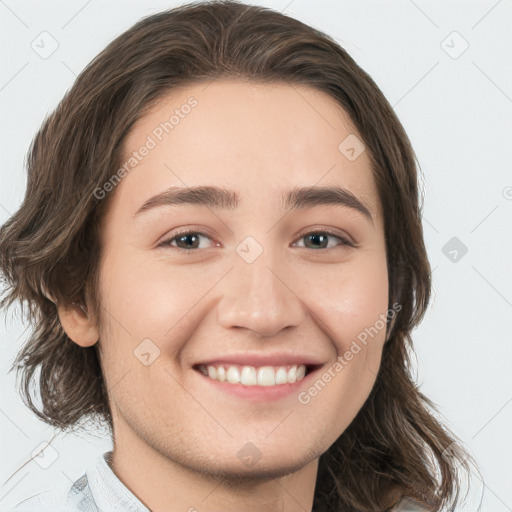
99, 490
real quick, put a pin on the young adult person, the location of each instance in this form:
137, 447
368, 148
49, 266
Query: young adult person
222, 253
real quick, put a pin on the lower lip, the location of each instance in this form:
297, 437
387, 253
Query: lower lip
260, 393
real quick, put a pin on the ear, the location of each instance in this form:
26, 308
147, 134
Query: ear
79, 325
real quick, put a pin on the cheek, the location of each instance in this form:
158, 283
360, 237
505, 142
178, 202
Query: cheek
150, 300
351, 307
350, 301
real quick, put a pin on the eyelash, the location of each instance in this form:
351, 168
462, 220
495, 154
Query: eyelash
344, 241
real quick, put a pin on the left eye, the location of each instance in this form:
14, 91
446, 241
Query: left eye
319, 237
190, 240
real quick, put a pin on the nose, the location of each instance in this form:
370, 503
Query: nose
260, 296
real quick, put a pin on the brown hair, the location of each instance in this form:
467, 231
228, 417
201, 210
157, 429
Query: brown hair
49, 249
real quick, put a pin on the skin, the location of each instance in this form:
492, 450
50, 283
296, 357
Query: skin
176, 437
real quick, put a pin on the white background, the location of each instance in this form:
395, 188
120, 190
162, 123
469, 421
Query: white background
457, 110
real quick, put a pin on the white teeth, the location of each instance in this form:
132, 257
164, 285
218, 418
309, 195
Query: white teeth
251, 376
248, 377
266, 376
221, 373
281, 375
233, 375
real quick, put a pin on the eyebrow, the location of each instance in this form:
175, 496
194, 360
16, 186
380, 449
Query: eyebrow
221, 198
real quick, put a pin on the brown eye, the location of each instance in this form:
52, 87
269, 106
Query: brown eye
185, 240
320, 240
189, 240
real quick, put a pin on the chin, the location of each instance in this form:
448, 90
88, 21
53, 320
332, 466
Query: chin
262, 467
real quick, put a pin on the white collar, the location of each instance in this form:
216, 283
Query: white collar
109, 493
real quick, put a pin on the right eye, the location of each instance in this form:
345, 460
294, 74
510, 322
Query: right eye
188, 240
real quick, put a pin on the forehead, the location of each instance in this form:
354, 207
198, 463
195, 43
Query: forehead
259, 139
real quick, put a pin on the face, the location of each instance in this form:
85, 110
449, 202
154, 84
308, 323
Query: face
243, 277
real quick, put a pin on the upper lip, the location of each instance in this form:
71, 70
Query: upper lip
259, 359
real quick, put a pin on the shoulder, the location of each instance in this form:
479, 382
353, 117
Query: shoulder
52, 500
64, 498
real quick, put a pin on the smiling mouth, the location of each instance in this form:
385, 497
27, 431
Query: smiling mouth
256, 376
